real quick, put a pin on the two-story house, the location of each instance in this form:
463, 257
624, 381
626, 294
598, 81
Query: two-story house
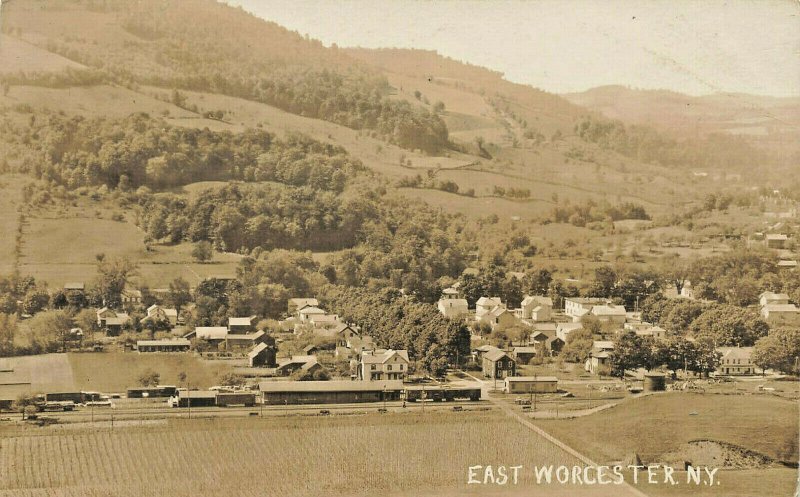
377, 365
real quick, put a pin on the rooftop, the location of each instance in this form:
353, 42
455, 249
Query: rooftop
175, 342
248, 321
329, 386
548, 379
495, 354
257, 350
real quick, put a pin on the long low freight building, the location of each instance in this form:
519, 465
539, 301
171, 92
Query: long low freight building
329, 392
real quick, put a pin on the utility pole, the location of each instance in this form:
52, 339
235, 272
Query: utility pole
188, 397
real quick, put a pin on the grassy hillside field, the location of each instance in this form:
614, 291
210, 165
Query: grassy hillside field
682, 417
105, 372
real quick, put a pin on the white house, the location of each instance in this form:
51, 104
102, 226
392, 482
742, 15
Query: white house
577, 307
451, 306
781, 314
157, 313
306, 313
383, 365
735, 360
536, 308
768, 298
609, 313
485, 304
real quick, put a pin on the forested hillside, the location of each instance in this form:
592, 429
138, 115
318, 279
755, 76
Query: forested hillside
222, 50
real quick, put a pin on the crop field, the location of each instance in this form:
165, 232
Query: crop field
396, 454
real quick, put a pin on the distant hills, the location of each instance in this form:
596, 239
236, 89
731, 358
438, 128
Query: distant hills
468, 134
733, 113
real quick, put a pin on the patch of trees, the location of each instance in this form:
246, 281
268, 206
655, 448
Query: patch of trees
720, 324
399, 322
632, 352
740, 276
630, 286
143, 151
592, 212
511, 192
780, 351
645, 144
241, 218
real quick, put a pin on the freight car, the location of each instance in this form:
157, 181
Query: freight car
439, 393
161, 391
74, 397
225, 399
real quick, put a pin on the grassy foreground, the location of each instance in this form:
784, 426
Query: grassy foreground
653, 425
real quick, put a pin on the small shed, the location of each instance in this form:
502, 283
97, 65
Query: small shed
531, 384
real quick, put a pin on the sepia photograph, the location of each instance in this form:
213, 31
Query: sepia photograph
399, 248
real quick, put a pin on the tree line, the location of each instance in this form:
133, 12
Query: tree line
140, 150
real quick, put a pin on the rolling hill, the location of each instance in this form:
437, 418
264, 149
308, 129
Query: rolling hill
458, 137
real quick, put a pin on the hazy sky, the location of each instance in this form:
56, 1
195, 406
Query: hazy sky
695, 47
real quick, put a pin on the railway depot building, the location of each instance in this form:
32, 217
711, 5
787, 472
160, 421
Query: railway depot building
531, 384
329, 392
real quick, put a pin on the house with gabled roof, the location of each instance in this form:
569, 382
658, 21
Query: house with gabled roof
776, 240
451, 306
377, 365
499, 317
497, 364
305, 314
306, 363
535, 308
295, 304
781, 314
262, 355
767, 298
546, 343
609, 313
485, 304
564, 329
241, 325
158, 313
735, 361
577, 307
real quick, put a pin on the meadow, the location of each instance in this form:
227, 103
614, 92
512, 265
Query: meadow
116, 371
764, 424
106, 372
